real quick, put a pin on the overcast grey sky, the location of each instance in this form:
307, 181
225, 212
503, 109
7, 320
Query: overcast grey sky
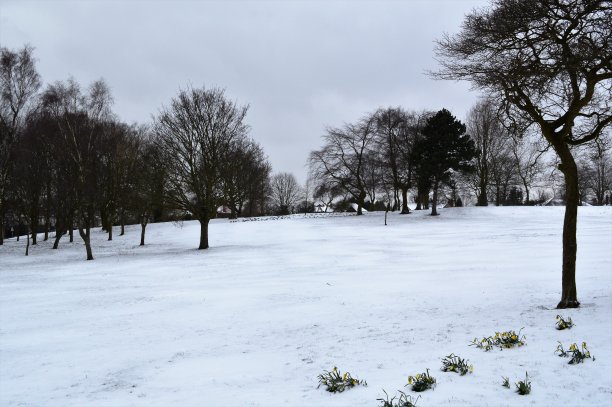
300, 65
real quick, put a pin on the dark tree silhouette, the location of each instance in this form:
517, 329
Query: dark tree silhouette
195, 135
285, 193
19, 83
444, 148
80, 119
549, 60
343, 158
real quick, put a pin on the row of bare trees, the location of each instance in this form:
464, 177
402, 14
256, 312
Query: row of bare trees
380, 159
68, 163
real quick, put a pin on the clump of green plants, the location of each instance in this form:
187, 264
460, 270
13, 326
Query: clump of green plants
335, 382
505, 382
422, 381
403, 400
507, 339
564, 323
523, 387
453, 363
578, 355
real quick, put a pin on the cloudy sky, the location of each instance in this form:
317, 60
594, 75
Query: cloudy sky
300, 65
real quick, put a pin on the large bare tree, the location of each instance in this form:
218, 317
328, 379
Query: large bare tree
549, 60
80, 118
492, 143
343, 158
195, 134
285, 193
397, 132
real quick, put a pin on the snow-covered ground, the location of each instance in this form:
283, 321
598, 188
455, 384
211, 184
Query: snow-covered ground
255, 319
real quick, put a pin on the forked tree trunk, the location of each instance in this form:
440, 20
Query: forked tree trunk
569, 298
203, 234
434, 202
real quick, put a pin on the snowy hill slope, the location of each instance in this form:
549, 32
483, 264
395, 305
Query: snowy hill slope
256, 318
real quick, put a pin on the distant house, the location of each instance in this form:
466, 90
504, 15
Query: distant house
560, 202
223, 212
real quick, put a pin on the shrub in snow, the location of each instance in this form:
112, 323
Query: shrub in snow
508, 339
335, 382
578, 355
453, 363
403, 400
523, 387
422, 381
564, 323
506, 382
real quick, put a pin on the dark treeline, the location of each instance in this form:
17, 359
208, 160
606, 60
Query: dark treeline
392, 156
376, 161
67, 163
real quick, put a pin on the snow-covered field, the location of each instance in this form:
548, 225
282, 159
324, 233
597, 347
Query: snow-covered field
255, 319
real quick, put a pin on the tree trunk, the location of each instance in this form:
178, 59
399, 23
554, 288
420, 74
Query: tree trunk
568, 167
434, 202
1, 228
143, 227
34, 228
28, 244
482, 197
122, 223
405, 208
58, 236
203, 234
360, 203
85, 235
110, 231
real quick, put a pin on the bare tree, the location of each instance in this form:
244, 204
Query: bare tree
326, 190
243, 171
195, 136
286, 193
528, 152
80, 120
549, 60
343, 158
599, 179
492, 143
19, 83
397, 132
